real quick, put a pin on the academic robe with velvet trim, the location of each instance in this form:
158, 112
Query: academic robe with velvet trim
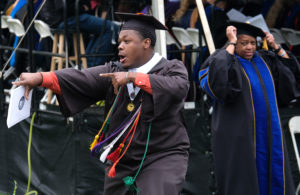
245, 93
165, 165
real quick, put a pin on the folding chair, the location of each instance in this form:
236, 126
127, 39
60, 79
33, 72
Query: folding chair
292, 36
58, 48
278, 36
16, 26
43, 29
194, 35
4, 19
294, 125
170, 40
183, 37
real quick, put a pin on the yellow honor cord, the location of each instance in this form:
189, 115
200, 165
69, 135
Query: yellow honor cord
265, 45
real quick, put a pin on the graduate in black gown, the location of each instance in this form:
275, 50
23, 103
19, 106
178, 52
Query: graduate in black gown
143, 141
246, 86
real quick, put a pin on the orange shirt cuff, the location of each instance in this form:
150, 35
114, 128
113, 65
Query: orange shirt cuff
50, 81
143, 81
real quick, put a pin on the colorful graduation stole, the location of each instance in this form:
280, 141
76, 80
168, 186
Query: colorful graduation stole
115, 156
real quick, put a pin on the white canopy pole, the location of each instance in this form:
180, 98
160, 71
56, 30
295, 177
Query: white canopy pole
159, 13
205, 26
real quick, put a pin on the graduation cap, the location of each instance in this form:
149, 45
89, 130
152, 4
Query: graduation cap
248, 29
144, 24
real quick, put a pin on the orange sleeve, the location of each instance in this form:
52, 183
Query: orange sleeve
50, 81
142, 81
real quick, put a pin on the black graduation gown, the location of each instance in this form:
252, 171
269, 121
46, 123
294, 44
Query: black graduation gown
233, 121
166, 161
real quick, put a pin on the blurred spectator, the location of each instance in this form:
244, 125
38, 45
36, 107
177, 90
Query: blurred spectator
52, 12
17, 9
274, 16
183, 15
171, 6
187, 16
252, 7
131, 6
104, 31
266, 7
292, 19
2, 4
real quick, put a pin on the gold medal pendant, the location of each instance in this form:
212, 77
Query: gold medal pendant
130, 107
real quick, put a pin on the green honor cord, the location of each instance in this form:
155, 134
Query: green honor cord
28, 156
28, 160
129, 181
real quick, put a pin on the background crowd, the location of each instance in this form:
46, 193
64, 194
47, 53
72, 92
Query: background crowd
100, 30
100, 27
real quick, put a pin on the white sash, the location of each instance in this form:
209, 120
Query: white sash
133, 91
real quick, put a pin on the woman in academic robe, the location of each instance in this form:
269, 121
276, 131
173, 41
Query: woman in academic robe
246, 87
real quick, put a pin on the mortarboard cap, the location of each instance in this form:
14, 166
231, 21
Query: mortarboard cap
248, 29
145, 24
